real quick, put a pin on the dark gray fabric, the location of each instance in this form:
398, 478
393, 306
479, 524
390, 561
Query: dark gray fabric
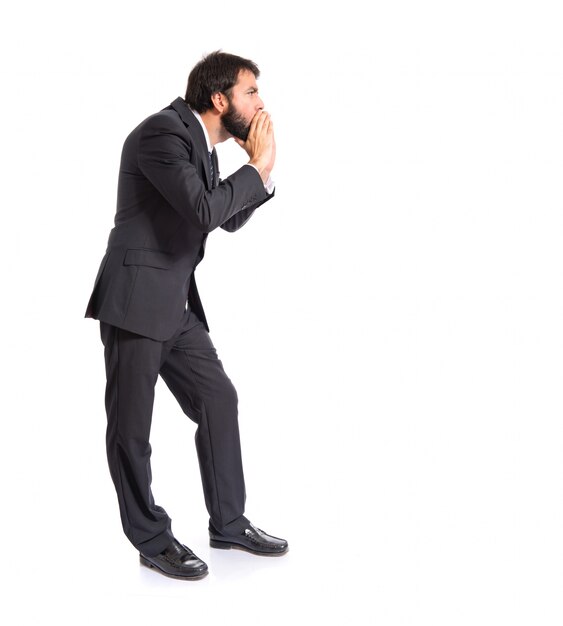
167, 204
189, 365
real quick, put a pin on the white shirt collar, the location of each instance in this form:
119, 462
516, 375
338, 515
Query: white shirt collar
198, 117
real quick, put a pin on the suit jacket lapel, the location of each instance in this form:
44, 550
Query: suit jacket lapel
215, 168
189, 119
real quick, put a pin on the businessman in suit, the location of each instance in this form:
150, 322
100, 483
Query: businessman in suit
151, 318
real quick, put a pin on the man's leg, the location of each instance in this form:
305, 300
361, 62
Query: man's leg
195, 375
132, 365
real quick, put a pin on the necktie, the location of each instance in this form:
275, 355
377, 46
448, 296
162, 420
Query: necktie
211, 169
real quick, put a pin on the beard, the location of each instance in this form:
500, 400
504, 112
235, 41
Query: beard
235, 124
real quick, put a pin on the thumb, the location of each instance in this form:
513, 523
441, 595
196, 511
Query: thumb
239, 141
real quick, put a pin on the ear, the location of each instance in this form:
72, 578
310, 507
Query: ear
219, 101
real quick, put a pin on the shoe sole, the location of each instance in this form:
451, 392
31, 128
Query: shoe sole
150, 565
227, 545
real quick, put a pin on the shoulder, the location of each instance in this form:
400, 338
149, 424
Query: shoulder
165, 120
165, 130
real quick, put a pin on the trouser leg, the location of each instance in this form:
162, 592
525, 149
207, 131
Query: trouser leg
132, 365
195, 375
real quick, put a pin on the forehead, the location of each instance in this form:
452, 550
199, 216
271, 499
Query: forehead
245, 80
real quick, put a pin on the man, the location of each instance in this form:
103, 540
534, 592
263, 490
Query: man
151, 319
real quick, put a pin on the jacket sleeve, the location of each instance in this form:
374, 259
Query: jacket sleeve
164, 158
240, 219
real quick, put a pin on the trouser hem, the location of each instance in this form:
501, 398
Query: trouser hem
232, 528
157, 544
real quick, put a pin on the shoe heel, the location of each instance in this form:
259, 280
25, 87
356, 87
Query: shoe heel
219, 544
145, 562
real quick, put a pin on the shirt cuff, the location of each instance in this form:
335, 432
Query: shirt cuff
269, 185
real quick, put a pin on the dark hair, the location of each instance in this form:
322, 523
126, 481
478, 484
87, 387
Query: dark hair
216, 72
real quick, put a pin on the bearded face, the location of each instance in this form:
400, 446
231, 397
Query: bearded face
234, 123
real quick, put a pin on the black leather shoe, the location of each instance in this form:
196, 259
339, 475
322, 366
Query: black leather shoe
176, 561
250, 539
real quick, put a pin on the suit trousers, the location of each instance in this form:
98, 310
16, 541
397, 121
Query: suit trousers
190, 367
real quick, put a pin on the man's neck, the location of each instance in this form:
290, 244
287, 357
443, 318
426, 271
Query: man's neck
214, 131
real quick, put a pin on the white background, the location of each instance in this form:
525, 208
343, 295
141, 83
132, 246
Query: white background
391, 320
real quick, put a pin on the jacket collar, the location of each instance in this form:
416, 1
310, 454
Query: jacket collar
179, 105
189, 119
183, 110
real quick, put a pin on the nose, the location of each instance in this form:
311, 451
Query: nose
259, 104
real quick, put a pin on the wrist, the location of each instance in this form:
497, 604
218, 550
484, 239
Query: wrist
265, 174
262, 168
259, 164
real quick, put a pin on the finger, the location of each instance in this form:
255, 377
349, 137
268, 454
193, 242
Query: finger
269, 128
257, 120
263, 118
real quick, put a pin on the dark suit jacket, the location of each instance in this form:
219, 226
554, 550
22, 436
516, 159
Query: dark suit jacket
166, 206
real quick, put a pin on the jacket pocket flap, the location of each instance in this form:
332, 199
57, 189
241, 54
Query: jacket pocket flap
150, 258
